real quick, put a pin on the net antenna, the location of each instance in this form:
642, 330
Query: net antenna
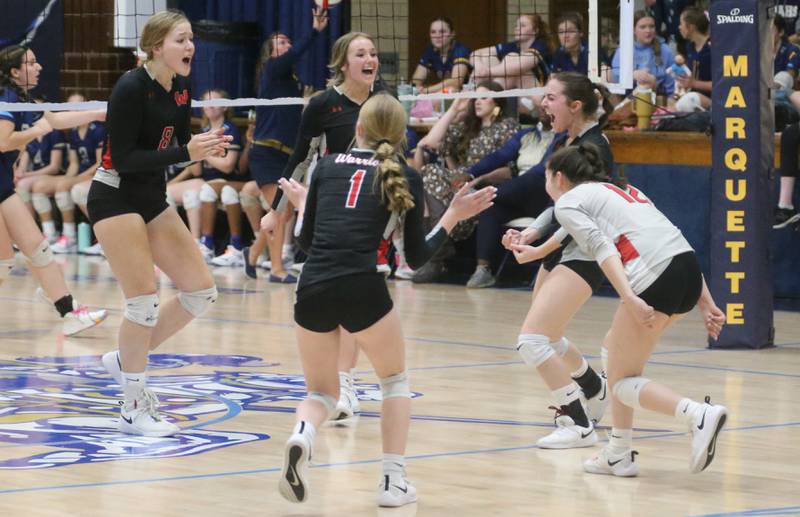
626, 10
130, 17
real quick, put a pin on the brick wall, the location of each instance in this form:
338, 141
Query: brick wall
91, 65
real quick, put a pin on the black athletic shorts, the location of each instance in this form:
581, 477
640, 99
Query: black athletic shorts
266, 164
678, 288
589, 270
144, 199
356, 302
6, 186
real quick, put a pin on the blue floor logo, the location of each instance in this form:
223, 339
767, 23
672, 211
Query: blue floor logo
69, 406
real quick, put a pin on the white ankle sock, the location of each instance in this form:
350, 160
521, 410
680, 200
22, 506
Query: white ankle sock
787, 207
563, 396
69, 230
49, 229
394, 464
620, 440
686, 409
604, 358
306, 429
133, 385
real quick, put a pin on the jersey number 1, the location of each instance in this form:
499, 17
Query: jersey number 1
355, 188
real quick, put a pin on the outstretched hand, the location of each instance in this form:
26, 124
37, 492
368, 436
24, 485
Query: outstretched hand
320, 19
468, 202
296, 192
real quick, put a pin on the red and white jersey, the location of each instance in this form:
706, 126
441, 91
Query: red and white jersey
606, 220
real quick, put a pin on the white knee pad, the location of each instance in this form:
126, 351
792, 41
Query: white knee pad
207, 194
142, 310
247, 200
41, 203
534, 348
198, 302
24, 194
64, 201
561, 346
627, 390
229, 196
171, 200
42, 256
324, 399
80, 193
6, 265
396, 386
191, 199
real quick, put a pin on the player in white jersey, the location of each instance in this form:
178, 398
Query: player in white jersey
655, 271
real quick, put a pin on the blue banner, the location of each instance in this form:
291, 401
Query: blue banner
742, 144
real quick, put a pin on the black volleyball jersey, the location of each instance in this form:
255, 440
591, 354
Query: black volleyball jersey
333, 114
345, 219
143, 120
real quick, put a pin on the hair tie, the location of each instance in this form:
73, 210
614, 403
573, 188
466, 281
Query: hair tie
383, 141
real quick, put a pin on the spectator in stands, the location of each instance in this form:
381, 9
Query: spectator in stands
85, 148
667, 16
787, 55
651, 58
444, 63
39, 169
522, 63
573, 54
694, 27
485, 128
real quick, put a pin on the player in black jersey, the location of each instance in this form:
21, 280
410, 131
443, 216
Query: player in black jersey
149, 108
354, 64
353, 201
19, 73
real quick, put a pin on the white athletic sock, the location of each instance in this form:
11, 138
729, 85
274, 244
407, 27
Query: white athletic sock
620, 440
306, 429
69, 230
581, 369
345, 379
563, 396
394, 464
133, 385
788, 207
49, 229
686, 409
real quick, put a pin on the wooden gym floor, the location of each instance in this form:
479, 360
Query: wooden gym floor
232, 380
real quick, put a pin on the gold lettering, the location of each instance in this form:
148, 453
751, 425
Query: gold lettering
735, 247
734, 128
734, 314
741, 187
735, 278
736, 159
737, 68
735, 98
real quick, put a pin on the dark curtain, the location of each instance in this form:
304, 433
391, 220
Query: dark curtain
292, 17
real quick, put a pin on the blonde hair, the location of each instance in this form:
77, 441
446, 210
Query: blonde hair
157, 28
339, 55
207, 96
383, 121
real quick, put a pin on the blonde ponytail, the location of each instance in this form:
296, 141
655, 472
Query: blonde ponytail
393, 184
383, 120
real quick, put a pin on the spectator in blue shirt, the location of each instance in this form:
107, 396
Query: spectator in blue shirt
522, 63
787, 55
573, 54
444, 63
694, 27
667, 14
651, 57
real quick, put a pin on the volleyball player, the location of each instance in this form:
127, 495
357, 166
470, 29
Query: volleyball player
19, 73
656, 274
352, 202
333, 113
567, 277
149, 109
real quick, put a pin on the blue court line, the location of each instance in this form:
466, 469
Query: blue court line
782, 510
340, 464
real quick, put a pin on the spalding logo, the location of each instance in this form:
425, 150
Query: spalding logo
735, 17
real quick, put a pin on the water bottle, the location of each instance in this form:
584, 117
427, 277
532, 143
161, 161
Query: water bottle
84, 236
404, 88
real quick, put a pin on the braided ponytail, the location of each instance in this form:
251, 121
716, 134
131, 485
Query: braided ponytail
383, 120
581, 164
